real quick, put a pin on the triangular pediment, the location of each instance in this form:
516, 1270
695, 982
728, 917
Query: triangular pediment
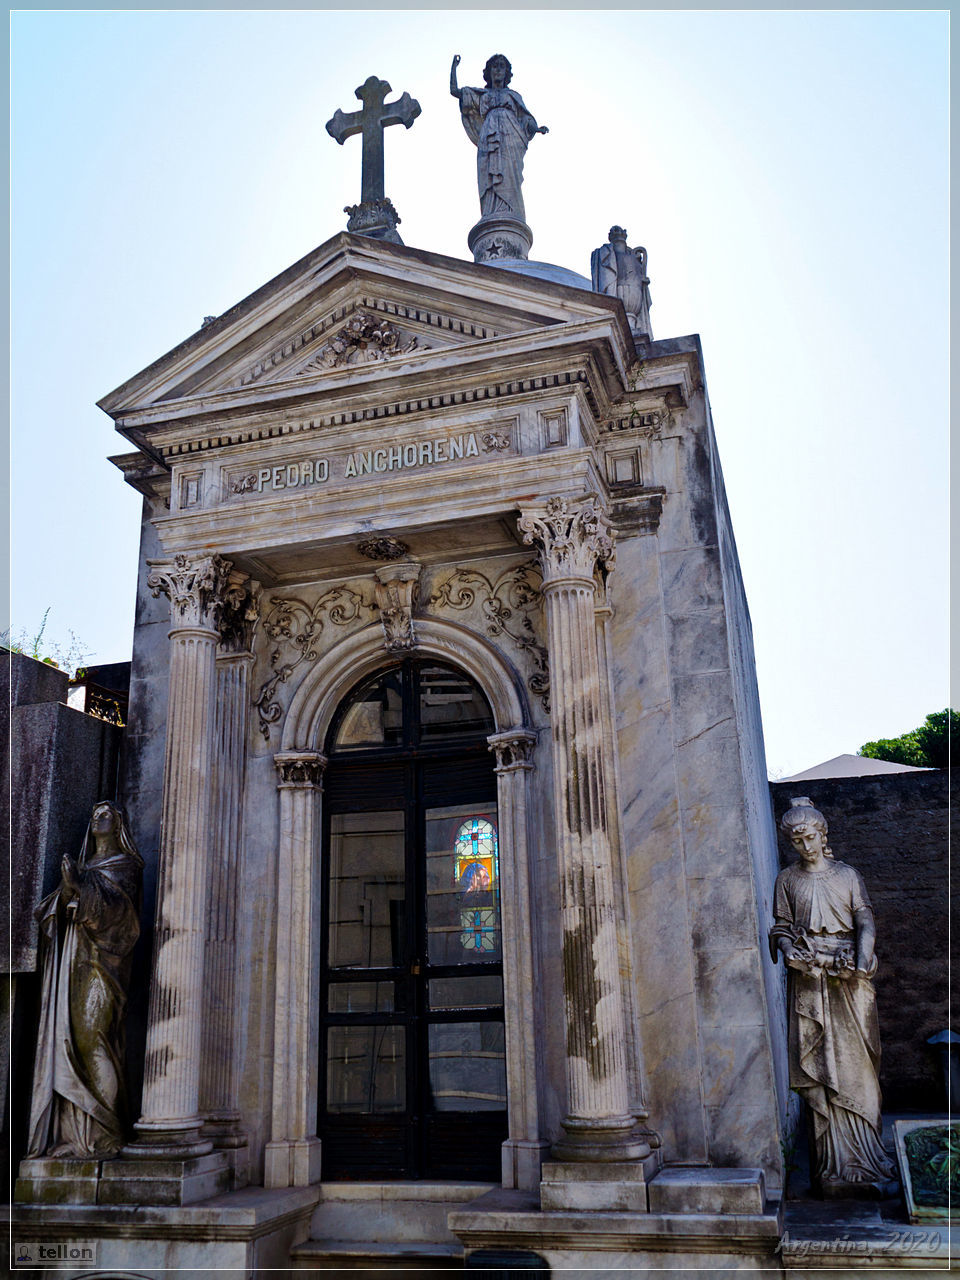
354, 303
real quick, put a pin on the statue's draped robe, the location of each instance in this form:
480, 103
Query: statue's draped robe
834, 1037
78, 1089
500, 127
621, 274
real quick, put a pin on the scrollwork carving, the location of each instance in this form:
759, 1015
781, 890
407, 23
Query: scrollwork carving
298, 625
495, 441
507, 605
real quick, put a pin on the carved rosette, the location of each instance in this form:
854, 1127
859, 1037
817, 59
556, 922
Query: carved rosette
513, 749
300, 769
195, 586
383, 548
573, 538
397, 589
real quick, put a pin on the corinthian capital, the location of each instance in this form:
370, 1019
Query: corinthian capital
196, 587
572, 537
240, 614
513, 749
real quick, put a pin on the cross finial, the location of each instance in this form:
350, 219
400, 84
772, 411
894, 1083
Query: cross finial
374, 215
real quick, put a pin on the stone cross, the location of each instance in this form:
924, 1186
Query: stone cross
376, 115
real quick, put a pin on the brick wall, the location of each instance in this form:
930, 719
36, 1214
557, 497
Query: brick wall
893, 829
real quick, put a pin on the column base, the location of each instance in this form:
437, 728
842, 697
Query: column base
606, 1187
225, 1130
228, 1135
291, 1163
521, 1162
167, 1140
615, 1140
164, 1182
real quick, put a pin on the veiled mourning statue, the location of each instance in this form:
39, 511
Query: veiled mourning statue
825, 932
88, 926
500, 127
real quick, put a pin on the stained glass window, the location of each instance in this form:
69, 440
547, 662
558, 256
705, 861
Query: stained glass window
475, 879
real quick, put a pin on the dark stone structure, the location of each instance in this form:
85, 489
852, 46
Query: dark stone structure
893, 828
62, 761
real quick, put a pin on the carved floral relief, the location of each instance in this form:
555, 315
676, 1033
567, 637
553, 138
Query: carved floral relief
364, 339
297, 627
510, 605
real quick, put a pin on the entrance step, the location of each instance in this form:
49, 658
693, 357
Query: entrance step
375, 1259
391, 1213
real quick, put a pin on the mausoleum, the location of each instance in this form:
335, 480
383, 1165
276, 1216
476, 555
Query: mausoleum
444, 760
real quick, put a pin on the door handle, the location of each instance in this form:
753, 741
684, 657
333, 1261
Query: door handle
415, 968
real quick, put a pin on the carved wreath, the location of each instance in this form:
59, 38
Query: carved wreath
364, 339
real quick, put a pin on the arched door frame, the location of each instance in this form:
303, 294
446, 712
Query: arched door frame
293, 1155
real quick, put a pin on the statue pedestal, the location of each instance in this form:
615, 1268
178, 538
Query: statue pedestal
495, 238
375, 218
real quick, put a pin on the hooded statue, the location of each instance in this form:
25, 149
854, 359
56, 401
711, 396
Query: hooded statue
89, 926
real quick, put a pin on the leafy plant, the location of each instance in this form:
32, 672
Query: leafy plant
934, 1155
63, 657
927, 747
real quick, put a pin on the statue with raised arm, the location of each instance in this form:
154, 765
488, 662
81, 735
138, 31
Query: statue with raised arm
825, 932
622, 273
499, 125
89, 926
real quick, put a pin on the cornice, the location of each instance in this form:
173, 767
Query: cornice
485, 295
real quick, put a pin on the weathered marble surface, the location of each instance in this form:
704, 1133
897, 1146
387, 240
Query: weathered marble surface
544, 377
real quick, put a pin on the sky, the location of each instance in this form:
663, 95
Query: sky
786, 171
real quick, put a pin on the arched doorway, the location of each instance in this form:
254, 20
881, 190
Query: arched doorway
412, 1080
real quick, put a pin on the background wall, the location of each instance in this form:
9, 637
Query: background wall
893, 829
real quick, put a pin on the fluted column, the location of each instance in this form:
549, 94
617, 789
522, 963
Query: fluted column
220, 1059
292, 1156
525, 1149
171, 1121
574, 539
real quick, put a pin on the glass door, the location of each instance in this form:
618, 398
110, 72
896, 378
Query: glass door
413, 1078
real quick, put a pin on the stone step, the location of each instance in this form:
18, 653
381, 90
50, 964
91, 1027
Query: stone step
376, 1259
402, 1213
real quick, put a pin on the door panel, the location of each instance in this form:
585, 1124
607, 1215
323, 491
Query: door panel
366, 888
413, 1070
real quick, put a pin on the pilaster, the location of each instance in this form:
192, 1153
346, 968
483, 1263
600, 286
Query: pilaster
219, 1072
525, 1148
292, 1156
575, 543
